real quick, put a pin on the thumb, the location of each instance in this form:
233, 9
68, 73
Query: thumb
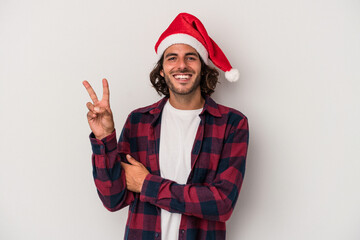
99, 110
132, 160
124, 165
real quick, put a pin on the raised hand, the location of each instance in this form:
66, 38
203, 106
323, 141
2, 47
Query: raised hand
100, 117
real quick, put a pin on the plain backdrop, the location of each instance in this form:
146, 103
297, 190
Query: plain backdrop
299, 88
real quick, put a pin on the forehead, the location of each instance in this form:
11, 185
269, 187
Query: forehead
180, 48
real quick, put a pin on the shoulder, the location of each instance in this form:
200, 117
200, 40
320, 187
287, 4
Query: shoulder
226, 114
234, 117
147, 111
228, 111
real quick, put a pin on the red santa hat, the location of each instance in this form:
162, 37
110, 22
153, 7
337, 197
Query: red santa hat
187, 29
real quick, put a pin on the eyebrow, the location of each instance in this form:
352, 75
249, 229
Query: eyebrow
186, 54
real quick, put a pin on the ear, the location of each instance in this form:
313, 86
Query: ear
162, 72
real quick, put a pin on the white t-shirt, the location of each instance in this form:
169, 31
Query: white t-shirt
178, 131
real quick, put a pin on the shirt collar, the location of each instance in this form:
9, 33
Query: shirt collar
210, 106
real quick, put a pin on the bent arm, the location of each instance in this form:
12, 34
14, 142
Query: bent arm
213, 201
108, 174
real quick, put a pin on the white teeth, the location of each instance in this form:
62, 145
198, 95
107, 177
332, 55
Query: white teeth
182, 76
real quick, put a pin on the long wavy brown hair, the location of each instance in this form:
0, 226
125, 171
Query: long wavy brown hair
209, 79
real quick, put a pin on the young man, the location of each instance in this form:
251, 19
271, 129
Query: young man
180, 162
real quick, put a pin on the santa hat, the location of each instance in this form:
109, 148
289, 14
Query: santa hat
187, 29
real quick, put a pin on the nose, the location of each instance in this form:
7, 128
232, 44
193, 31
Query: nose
182, 63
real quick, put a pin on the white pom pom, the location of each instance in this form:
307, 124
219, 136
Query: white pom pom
232, 75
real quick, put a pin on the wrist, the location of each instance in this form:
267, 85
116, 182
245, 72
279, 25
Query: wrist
100, 137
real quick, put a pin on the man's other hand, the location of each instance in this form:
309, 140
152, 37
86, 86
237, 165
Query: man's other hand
135, 174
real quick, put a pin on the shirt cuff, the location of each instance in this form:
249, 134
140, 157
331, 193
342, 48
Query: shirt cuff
105, 145
150, 188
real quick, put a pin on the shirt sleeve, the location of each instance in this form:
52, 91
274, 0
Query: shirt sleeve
213, 201
108, 174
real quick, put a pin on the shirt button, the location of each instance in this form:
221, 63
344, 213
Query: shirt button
182, 231
156, 235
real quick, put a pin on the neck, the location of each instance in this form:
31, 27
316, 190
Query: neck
187, 102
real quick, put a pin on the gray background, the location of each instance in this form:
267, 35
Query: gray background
299, 87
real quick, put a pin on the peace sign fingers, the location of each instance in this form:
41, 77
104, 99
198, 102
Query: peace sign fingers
91, 92
100, 117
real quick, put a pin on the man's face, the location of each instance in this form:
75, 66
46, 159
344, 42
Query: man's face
181, 69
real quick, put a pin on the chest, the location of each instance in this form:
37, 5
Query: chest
206, 147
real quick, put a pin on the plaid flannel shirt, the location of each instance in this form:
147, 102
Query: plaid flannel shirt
205, 202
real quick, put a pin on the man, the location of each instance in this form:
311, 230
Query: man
180, 162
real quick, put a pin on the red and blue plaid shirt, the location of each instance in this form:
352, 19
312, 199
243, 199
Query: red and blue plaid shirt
208, 198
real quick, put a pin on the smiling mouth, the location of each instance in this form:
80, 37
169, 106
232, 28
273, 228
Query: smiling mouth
182, 76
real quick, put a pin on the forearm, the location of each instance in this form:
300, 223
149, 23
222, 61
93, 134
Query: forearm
213, 201
108, 174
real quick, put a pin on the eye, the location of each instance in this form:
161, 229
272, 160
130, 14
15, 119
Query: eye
171, 59
191, 58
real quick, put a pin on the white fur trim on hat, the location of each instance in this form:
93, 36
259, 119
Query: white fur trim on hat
232, 75
185, 39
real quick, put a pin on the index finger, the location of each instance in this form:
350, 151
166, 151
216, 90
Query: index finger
106, 92
91, 92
